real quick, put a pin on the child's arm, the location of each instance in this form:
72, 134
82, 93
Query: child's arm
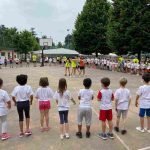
14, 100
31, 99
57, 102
129, 102
9, 104
92, 97
73, 101
136, 101
116, 103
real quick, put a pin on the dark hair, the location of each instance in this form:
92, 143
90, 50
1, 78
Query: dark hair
87, 83
1, 82
22, 79
44, 82
105, 81
146, 77
62, 86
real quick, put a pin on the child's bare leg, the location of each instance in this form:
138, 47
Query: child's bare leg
88, 129
42, 118
21, 126
124, 123
110, 126
67, 127
62, 129
148, 123
79, 128
103, 126
46, 113
142, 122
118, 122
27, 123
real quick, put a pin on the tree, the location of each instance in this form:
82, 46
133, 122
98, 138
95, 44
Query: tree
59, 45
90, 28
128, 26
26, 42
69, 42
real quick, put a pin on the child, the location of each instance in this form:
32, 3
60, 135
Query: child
4, 104
85, 96
62, 97
122, 103
22, 96
67, 66
143, 95
105, 96
44, 94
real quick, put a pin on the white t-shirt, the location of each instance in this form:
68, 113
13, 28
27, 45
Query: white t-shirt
86, 96
122, 95
106, 97
144, 93
4, 98
63, 100
22, 93
44, 94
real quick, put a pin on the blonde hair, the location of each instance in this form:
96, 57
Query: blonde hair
123, 81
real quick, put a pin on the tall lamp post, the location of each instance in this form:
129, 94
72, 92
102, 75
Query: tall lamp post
68, 39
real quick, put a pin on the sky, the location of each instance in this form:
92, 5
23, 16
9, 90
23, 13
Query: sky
48, 17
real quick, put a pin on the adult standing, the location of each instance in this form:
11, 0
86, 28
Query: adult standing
82, 66
5, 62
67, 66
11, 62
34, 58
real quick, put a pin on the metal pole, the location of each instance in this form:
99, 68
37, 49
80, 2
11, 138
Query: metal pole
42, 56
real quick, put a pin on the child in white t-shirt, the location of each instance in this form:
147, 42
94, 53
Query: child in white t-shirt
122, 103
62, 97
44, 94
85, 97
143, 100
22, 96
5, 104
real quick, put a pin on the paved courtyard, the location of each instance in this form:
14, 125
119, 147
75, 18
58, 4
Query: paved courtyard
50, 140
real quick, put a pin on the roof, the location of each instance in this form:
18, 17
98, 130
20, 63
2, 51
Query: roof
59, 51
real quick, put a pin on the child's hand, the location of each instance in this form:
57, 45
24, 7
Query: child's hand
116, 110
15, 104
136, 103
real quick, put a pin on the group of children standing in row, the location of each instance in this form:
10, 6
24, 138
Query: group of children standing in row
22, 97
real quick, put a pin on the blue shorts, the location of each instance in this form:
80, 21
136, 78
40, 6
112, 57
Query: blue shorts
144, 112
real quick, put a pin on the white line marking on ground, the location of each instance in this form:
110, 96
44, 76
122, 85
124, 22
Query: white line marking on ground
121, 141
146, 148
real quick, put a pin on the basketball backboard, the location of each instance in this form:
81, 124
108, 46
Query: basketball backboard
46, 42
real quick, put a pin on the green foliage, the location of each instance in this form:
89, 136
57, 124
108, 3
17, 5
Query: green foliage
59, 45
23, 42
69, 42
128, 26
90, 28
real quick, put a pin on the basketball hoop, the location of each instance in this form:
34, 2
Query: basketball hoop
45, 43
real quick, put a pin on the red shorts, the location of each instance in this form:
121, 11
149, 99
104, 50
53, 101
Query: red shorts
105, 115
44, 105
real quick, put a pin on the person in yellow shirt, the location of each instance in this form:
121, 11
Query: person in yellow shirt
67, 66
74, 66
34, 58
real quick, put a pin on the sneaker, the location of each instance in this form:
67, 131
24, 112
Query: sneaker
61, 136
5, 136
79, 134
116, 129
110, 135
28, 133
21, 134
123, 132
103, 136
67, 136
88, 134
148, 130
139, 129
